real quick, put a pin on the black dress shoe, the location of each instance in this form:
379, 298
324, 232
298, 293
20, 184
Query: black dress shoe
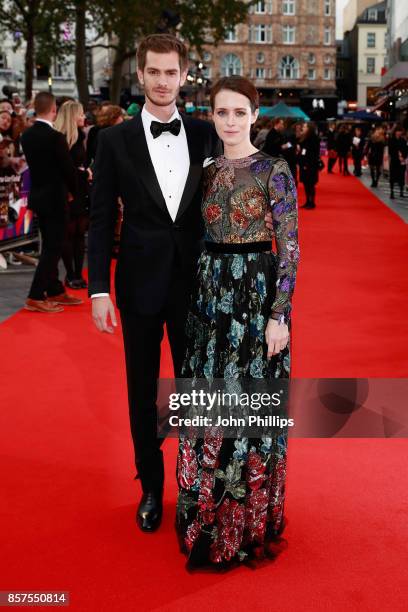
309, 205
150, 511
82, 283
73, 284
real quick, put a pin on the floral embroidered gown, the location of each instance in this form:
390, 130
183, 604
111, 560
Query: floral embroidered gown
231, 491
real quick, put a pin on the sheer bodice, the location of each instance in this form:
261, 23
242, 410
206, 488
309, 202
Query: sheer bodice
237, 195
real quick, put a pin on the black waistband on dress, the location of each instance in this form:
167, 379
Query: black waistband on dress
239, 247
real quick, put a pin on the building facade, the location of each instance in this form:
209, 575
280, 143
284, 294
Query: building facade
12, 74
368, 43
394, 99
287, 47
352, 10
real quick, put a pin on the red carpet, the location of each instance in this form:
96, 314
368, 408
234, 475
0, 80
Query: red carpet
67, 495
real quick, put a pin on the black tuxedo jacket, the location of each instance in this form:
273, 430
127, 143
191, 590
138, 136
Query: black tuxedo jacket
52, 171
152, 246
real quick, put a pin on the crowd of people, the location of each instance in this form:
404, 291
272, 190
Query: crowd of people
298, 142
80, 129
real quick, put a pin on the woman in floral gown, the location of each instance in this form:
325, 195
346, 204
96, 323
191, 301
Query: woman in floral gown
231, 491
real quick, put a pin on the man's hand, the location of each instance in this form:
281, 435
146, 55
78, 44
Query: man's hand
268, 220
102, 310
276, 336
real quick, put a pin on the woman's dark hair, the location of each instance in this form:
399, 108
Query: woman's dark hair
238, 84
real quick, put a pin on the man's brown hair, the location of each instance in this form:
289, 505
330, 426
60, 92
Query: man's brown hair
43, 102
162, 43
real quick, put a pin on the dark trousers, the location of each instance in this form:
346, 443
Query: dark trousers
343, 164
357, 164
45, 279
310, 191
375, 170
73, 251
142, 335
331, 162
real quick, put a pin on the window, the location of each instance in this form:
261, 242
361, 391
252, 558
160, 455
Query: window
207, 56
372, 14
231, 64
327, 59
231, 35
327, 36
311, 74
207, 72
339, 73
261, 8
3, 60
289, 68
260, 73
326, 74
370, 40
370, 65
288, 7
288, 35
260, 33
260, 57
327, 8
311, 58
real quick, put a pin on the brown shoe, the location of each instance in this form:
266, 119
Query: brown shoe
42, 306
65, 299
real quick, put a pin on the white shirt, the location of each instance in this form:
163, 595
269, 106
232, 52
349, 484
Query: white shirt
45, 121
171, 162
170, 158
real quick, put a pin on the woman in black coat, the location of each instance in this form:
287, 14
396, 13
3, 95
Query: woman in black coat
70, 121
343, 146
309, 160
375, 154
397, 151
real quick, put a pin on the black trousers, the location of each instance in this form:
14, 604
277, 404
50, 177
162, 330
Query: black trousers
310, 191
73, 251
343, 163
46, 279
375, 171
142, 336
357, 164
331, 163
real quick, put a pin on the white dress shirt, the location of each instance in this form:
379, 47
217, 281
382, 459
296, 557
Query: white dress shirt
171, 162
170, 159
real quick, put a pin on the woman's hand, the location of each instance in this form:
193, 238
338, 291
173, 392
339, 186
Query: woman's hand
276, 336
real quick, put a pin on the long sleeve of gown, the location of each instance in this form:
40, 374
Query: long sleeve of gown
283, 199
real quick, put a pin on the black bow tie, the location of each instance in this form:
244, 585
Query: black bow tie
158, 128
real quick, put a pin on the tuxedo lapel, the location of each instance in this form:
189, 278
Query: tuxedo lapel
195, 170
138, 151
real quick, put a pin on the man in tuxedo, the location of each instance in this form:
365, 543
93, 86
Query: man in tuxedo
53, 178
154, 163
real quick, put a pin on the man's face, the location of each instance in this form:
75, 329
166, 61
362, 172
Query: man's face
162, 77
53, 112
280, 126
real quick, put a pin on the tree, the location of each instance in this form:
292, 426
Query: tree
38, 23
80, 51
125, 21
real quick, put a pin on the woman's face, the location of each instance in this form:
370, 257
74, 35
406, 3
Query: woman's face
81, 118
6, 106
233, 117
5, 121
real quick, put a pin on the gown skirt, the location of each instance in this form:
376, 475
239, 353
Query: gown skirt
231, 491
